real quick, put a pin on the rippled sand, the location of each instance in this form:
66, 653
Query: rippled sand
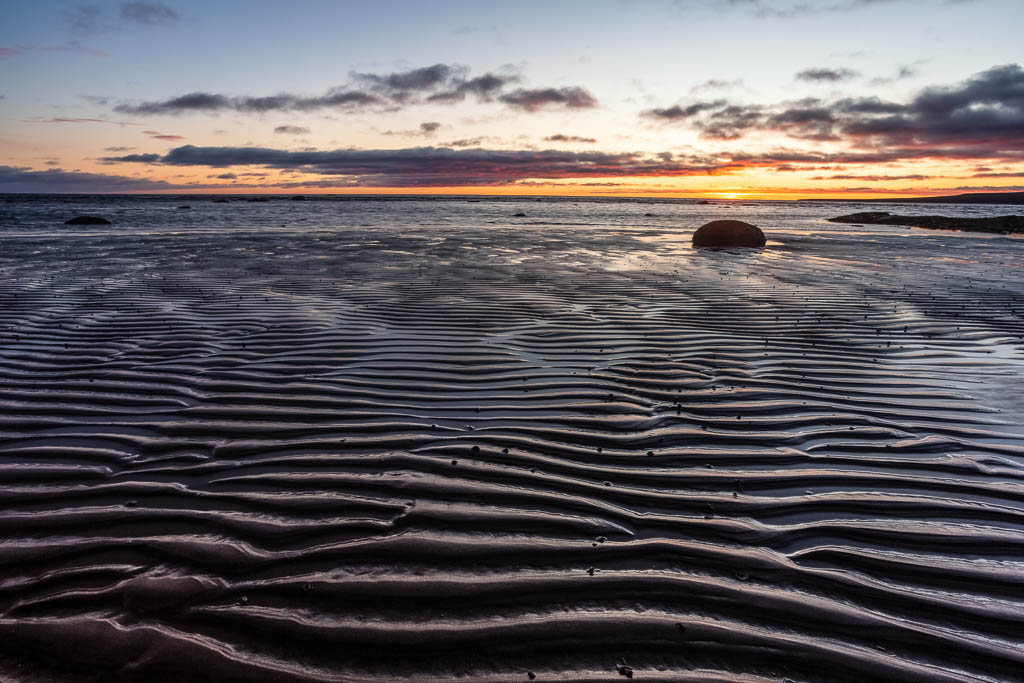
370, 454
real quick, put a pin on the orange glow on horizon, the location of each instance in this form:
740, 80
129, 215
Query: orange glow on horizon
753, 182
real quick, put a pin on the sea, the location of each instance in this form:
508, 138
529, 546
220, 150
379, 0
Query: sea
39, 213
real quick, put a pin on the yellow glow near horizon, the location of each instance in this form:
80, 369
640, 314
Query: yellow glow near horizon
754, 182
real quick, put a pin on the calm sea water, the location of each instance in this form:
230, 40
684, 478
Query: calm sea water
149, 213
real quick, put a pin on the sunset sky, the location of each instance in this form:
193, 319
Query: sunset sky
720, 98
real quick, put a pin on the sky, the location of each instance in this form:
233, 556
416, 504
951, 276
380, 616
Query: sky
671, 98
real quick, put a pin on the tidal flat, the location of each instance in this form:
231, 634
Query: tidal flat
434, 440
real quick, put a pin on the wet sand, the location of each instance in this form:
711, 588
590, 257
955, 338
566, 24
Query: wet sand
481, 454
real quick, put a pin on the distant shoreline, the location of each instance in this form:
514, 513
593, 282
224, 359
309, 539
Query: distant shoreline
1005, 198
969, 198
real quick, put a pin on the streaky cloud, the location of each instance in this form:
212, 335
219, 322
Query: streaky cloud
147, 13
13, 179
434, 166
132, 158
292, 130
532, 100
560, 137
213, 103
822, 75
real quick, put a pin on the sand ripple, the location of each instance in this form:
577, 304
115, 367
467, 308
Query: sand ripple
331, 456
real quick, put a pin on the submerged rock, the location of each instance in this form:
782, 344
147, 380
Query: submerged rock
862, 217
728, 234
87, 220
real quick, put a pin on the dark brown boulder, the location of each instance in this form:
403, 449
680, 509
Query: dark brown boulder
728, 234
87, 220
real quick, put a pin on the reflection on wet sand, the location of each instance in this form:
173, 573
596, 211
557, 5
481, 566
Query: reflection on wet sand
375, 453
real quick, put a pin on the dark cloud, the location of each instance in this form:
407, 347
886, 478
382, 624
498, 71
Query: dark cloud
716, 119
292, 130
212, 103
732, 121
678, 113
147, 13
399, 83
434, 166
197, 101
66, 119
559, 137
533, 100
437, 84
987, 109
117, 149
867, 105
717, 84
983, 117
425, 129
133, 158
807, 119
14, 179
440, 167
59, 181
872, 178
483, 87
1009, 174
157, 135
826, 75
468, 142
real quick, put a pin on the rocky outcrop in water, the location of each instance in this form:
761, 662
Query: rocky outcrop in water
1003, 224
